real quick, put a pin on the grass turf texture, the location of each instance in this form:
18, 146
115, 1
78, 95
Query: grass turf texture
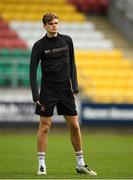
111, 155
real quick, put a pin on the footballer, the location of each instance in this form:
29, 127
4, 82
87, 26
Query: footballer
55, 52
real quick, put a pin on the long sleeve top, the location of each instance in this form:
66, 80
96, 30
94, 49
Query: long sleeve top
56, 55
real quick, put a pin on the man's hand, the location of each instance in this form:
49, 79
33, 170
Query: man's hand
75, 92
38, 102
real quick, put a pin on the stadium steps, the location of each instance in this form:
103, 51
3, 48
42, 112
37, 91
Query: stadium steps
111, 32
9, 38
37, 8
90, 38
107, 77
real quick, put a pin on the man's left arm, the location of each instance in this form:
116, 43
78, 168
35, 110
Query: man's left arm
73, 70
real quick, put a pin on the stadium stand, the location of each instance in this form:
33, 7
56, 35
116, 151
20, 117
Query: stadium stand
90, 38
105, 75
9, 38
36, 8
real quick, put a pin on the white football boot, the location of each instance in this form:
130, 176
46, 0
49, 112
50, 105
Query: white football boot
85, 170
42, 170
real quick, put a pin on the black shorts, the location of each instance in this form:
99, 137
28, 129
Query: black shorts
62, 98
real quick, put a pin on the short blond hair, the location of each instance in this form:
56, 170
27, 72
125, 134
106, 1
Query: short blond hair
49, 17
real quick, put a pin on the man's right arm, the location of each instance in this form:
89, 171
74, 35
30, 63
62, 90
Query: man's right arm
34, 61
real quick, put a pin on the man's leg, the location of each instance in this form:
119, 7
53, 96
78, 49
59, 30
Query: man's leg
44, 126
76, 139
73, 125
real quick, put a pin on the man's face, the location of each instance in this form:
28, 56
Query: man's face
52, 26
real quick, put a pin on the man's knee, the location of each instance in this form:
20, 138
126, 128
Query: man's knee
75, 127
44, 126
44, 129
73, 123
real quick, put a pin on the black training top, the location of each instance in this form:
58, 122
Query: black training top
56, 55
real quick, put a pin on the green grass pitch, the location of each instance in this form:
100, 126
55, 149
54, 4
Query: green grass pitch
110, 154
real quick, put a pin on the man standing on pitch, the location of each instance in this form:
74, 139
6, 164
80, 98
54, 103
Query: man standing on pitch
55, 52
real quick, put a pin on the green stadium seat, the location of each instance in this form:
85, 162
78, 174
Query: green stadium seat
4, 52
21, 52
